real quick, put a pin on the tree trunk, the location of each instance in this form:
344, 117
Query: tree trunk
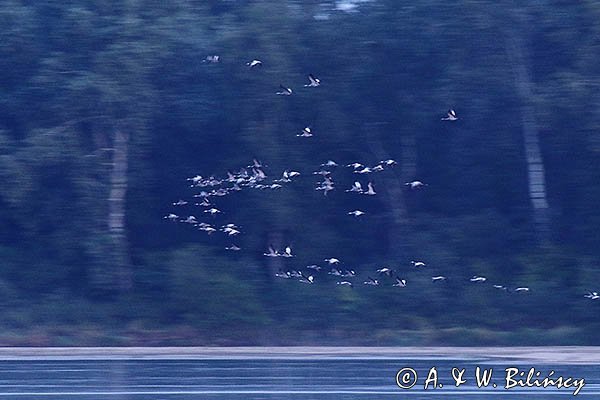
535, 164
121, 273
393, 194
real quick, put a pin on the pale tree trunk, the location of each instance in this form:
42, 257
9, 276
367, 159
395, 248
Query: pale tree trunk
120, 268
535, 164
393, 194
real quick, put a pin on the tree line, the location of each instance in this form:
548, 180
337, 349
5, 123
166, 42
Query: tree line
108, 107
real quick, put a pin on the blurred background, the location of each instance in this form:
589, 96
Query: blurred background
107, 107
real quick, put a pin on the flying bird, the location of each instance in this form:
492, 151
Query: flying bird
385, 270
370, 191
314, 82
478, 279
450, 116
355, 165
349, 273
256, 164
365, 170
592, 295
285, 91
415, 184
282, 274
400, 282
271, 252
254, 63
231, 231
329, 163
389, 162
371, 281
196, 179
418, 263
190, 220
204, 203
356, 187
288, 252
306, 132
307, 279
356, 213
208, 229
171, 217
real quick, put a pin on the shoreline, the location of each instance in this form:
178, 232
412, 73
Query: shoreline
530, 354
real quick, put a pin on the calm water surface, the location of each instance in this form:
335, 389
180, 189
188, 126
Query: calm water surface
340, 379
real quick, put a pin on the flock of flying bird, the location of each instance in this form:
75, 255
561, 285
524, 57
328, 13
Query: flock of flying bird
253, 176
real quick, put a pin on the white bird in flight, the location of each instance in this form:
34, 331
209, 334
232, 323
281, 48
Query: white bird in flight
365, 170
400, 282
306, 132
254, 63
190, 220
329, 163
389, 162
288, 252
282, 274
355, 165
450, 116
356, 187
478, 279
171, 217
285, 91
371, 281
307, 279
314, 82
415, 184
208, 229
385, 270
592, 295
356, 213
370, 191
271, 252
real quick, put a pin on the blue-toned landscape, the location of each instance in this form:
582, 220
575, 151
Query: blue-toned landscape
287, 173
